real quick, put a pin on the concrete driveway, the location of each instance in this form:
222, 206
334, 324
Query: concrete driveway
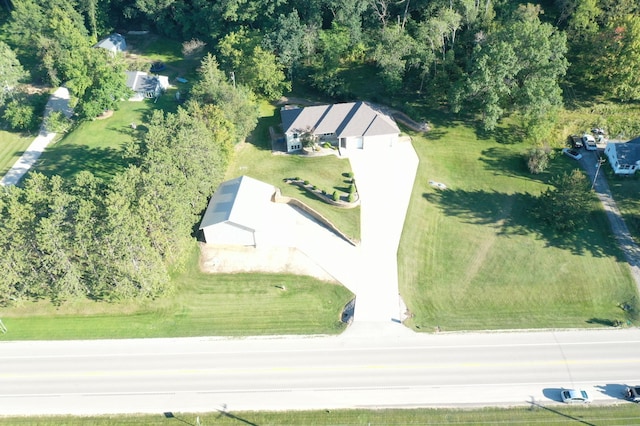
59, 101
385, 181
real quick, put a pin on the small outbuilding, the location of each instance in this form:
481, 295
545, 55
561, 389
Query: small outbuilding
145, 85
238, 212
624, 157
114, 43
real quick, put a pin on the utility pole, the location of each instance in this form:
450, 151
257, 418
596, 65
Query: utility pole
600, 163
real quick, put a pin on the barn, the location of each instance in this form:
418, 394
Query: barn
233, 215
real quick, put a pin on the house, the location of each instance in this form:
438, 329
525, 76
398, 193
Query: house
624, 157
114, 43
353, 125
238, 212
145, 85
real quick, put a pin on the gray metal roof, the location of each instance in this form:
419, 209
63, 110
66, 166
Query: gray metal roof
239, 201
113, 43
344, 120
139, 81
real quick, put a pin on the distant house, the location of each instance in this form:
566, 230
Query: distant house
114, 43
238, 212
353, 125
624, 157
145, 85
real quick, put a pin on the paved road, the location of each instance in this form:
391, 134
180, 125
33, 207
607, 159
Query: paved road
59, 101
383, 369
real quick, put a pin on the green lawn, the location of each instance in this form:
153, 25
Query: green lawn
479, 261
256, 160
12, 145
202, 305
623, 414
96, 145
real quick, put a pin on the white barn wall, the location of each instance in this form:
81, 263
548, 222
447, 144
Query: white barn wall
228, 233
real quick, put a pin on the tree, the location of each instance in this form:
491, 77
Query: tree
566, 206
237, 103
286, 40
391, 55
517, 69
11, 72
620, 58
537, 160
19, 115
107, 84
265, 75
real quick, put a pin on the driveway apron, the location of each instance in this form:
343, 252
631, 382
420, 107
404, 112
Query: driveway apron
384, 178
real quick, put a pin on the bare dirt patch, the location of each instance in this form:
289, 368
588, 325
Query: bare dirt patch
215, 258
105, 115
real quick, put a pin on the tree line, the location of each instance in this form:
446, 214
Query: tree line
119, 239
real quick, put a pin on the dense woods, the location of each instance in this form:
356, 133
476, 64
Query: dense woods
486, 59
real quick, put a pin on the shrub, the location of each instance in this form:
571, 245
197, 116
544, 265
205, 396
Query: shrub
57, 122
351, 197
336, 196
350, 175
192, 47
537, 159
352, 189
19, 116
296, 178
306, 182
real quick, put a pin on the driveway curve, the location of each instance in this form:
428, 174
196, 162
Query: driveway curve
59, 101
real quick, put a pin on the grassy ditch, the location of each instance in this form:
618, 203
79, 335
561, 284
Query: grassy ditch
202, 305
623, 414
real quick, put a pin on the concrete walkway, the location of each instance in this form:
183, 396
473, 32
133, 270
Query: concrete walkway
628, 246
59, 101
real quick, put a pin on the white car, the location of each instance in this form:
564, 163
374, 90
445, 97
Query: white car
573, 396
589, 142
573, 153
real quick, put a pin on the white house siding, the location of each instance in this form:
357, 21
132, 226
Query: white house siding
228, 233
619, 169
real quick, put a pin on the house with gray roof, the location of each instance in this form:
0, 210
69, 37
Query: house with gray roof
145, 85
624, 157
349, 126
114, 43
236, 212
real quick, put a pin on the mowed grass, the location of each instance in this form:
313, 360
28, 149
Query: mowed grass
256, 160
623, 414
202, 305
96, 145
12, 145
472, 257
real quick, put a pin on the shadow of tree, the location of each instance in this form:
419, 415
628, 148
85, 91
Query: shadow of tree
505, 135
68, 160
614, 390
511, 213
507, 162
